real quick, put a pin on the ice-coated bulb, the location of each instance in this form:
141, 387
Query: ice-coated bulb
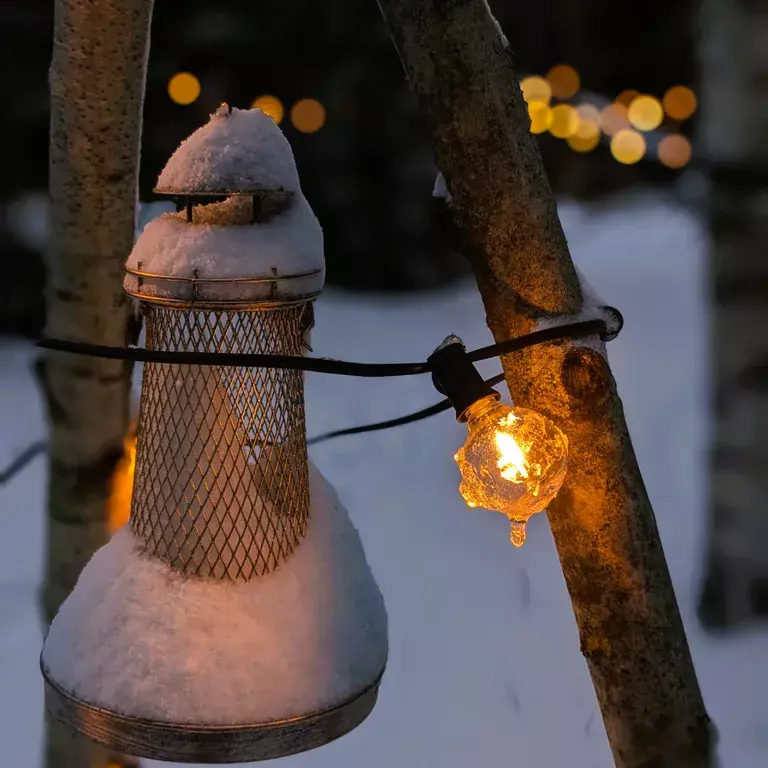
513, 461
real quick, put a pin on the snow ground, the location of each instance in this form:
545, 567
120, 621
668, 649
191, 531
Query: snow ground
484, 656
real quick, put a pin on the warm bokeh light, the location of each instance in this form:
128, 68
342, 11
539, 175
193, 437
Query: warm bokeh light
627, 97
613, 118
589, 122
308, 115
645, 113
183, 88
121, 486
541, 116
583, 144
565, 121
628, 146
564, 81
271, 106
674, 151
679, 102
536, 88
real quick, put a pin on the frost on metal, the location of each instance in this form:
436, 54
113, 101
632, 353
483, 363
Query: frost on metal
138, 638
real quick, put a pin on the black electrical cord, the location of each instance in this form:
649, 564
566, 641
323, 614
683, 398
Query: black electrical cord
574, 330
425, 413
328, 365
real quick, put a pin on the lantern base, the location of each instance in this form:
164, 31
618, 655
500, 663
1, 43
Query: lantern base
187, 743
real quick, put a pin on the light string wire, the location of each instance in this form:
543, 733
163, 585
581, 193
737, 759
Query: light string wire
575, 330
324, 364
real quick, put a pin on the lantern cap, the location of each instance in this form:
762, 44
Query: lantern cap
260, 246
279, 261
236, 151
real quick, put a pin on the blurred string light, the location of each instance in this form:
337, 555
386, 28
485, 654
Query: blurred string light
536, 89
620, 123
308, 115
541, 116
565, 121
564, 81
627, 97
628, 146
271, 106
587, 135
613, 118
679, 102
645, 113
674, 151
184, 88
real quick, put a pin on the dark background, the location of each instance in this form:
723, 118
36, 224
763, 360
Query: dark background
368, 172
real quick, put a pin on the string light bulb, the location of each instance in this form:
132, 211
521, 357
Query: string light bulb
514, 460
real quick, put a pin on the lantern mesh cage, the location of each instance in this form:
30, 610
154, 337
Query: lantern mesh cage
221, 485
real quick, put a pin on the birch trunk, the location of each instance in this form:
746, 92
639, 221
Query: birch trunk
602, 521
734, 136
97, 77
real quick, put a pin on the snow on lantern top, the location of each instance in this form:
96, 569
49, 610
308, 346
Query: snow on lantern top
247, 234
237, 150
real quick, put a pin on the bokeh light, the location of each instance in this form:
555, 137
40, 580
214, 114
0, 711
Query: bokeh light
308, 115
536, 88
645, 113
674, 151
679, 102
565, 121
583, 144
589, 122
564, 81
271, 106
613, 118
628, 146
184, 88
627, 97
541, 116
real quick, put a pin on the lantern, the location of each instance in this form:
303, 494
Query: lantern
235, 617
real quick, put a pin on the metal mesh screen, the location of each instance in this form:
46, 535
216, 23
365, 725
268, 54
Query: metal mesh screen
221, 485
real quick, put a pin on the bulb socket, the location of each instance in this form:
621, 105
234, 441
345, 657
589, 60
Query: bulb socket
454, 375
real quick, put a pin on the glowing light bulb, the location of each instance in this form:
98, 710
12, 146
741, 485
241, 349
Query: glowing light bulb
513, 461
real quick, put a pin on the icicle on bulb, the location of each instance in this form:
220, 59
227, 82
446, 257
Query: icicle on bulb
513, 461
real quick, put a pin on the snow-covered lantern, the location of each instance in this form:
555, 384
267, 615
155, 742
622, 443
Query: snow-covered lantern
235, 617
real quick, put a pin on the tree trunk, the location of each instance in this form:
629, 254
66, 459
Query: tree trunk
604, 528
97, 77
734, 136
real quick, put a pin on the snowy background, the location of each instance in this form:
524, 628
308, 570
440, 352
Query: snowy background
484, 663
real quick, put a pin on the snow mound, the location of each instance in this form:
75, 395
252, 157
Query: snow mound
288, 244
138, 638
238, 151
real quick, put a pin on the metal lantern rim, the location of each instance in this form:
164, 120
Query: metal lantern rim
258, 191
203, 302
187, 743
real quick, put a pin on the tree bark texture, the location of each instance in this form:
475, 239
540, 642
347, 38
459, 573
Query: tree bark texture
734, 136
602, 521
97, 77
